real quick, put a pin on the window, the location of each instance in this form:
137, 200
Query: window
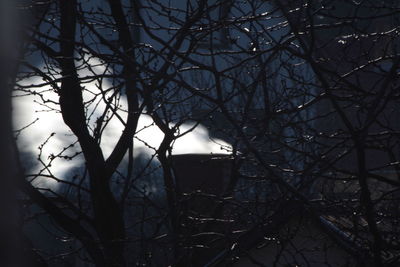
211, 30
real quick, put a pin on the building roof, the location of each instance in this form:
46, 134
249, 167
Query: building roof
350, 234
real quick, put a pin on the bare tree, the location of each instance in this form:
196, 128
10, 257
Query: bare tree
305, 93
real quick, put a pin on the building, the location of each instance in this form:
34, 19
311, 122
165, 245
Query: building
270, 78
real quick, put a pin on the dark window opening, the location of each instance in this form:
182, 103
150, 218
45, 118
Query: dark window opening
212, 30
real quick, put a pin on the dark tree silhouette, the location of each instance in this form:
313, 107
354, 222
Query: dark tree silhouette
305, 93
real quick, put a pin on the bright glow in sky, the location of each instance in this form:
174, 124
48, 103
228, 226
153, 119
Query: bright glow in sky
49, 125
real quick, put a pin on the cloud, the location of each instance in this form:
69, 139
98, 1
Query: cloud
49, 140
